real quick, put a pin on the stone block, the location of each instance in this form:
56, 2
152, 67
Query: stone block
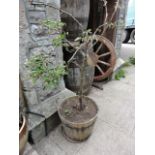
36, 16
29, 150
41, 8
48, 108
54, 2
31, 97
43, 49
43, 129
53, 13
53, 122
38, 30
38, 2
37, 134
30, 7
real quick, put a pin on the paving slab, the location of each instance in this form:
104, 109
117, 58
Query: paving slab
114, 129
68, 147
129, 76
127, 50
107, 140
29, 150
116, 102
47, 146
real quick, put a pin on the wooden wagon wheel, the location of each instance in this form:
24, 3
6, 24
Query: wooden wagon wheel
104, 58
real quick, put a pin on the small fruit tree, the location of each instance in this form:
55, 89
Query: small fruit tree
40, 65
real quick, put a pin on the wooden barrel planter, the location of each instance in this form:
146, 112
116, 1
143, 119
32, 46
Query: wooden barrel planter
80, 10
23, 135
72, 79
77, 126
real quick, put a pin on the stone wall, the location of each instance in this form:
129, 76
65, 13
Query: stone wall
38, 41
119, 30
42, 104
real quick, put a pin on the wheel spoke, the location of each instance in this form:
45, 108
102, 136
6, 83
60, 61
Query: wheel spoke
104, 54
98, 49
102, 62
99, 68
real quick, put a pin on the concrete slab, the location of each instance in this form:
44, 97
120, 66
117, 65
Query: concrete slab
56, 144
29, 150
68, 147
114, 129
129, 76
127, 51
47, 147
116, 102
107, 140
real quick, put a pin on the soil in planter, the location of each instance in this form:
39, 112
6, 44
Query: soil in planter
69, 111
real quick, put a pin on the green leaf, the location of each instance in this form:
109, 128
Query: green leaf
52, 24
50, 77
120, 74
132, 60
57, 41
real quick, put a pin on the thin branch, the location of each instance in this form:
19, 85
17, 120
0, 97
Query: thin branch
98, 28
106, 15
94, 36
71, 59
113, 14
105, 20
76, 64
65, 12
115, 9
69, 43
